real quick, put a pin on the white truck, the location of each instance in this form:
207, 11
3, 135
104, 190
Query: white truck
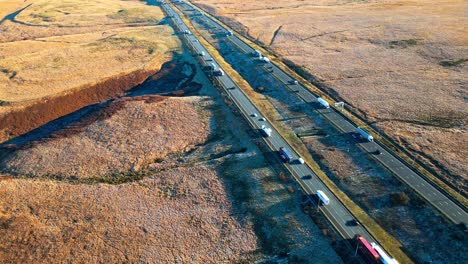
323, 197
323, 103
365, 134
266, 131
212, 66
384, 257
265, 59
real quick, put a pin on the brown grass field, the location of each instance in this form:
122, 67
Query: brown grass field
51, 48
141, 178
178, 215
165, 127
167, 193
164, 214
398, 64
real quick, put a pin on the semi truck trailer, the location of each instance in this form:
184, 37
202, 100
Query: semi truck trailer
365, 134
323, 197
366, 249
323, 103
384, 257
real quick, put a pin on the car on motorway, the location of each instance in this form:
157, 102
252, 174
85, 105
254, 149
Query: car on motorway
293, 82
300, 160
377, 152
253, 114
353, 222
262, 119
306, 177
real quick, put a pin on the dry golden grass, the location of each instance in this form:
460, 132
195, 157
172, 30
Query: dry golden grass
9, 6
179, 215
62, 63
393, 62
174, 212
125, 136
85, 43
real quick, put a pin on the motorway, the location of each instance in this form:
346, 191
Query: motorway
336, 212
426, 190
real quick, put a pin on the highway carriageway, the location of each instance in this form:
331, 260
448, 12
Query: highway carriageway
336, 212
425, 189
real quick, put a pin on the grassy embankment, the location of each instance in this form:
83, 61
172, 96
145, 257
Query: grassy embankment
62, 49
386, 240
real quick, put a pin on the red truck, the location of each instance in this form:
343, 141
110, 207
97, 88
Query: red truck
366, 249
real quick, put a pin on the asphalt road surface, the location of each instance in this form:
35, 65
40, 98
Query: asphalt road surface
336, 212
439, 200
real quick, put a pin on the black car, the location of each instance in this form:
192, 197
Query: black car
307, 177
353, 222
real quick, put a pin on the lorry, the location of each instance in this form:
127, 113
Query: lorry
265, 59
284, 154
218, 72
323, 103
266, 131
212, 66
366, 249
384, 257
365, 134
323, 197
257, 53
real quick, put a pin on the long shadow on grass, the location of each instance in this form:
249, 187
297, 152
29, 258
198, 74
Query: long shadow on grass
12, 16
243, 189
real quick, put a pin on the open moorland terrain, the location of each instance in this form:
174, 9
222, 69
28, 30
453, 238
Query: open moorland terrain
148, 164
155, 179
51, 52
401, 65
